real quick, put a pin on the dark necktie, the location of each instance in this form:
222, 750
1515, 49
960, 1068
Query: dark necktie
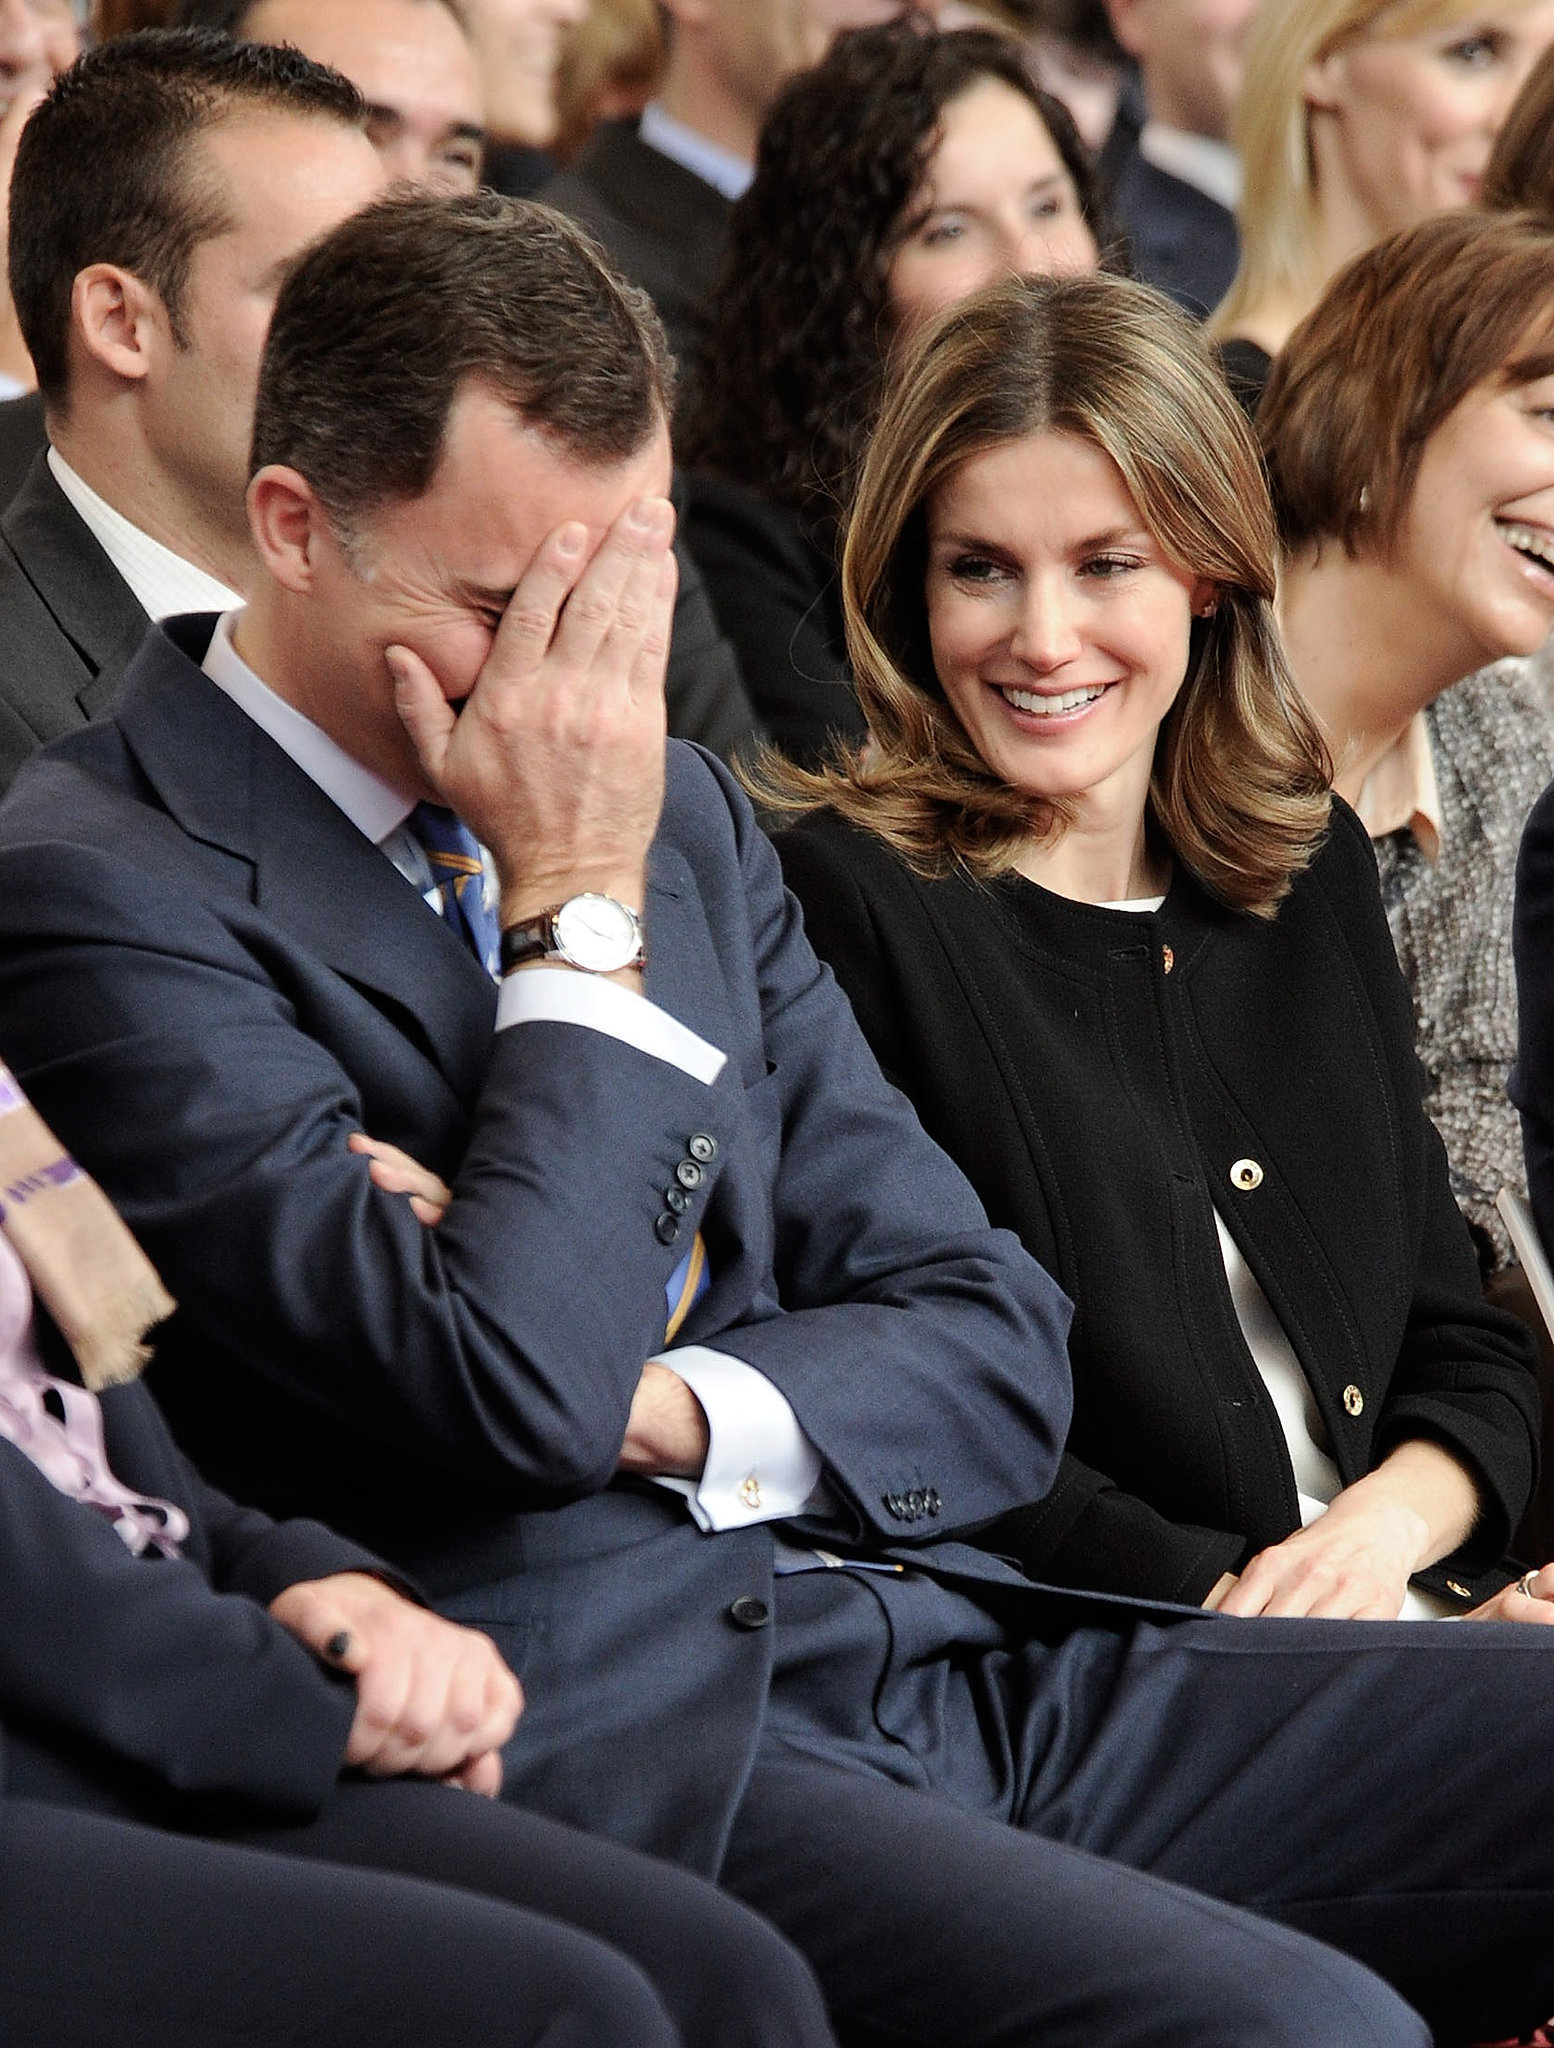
454, 855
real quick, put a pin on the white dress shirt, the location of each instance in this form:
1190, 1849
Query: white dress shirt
709, 161
1209, 166
164, 583
760, 1465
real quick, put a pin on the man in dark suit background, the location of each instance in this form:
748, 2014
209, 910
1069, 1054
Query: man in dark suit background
1175, 189
658, 191
712, 1357
136, 509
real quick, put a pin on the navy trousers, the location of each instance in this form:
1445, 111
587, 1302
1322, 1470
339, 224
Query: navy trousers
405, 1915
1212, 1832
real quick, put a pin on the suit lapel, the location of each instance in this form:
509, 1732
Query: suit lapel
89, 600
316, 876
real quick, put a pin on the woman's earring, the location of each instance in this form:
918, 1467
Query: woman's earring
1207, 611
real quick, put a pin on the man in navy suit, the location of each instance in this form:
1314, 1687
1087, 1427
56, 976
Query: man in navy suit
712, 1362
1176, 188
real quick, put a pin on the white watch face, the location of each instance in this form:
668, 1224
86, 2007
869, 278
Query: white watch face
598, 933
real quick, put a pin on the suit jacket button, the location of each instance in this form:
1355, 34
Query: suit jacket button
1354, 1400
666, 1229
676, 1201
1246, 1174
689, 1174
748, 1612
702, 1148
895, 1505
934, 1502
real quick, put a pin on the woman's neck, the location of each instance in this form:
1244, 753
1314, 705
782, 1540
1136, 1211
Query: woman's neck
1098, 860
1366, 654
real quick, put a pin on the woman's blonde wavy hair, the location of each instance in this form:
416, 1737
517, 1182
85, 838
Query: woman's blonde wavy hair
1271, 132
1240, 784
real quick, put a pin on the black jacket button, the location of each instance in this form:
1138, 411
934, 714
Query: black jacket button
689, 1174
666, 1229
748, 1612
703, 1148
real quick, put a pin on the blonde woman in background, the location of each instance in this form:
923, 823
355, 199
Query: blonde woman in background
1358, 118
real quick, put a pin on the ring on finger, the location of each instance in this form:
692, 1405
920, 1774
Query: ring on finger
1524, 1585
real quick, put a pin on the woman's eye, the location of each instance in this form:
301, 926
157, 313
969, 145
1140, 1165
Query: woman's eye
1105, 567
1473, 53
973, 569
937, 233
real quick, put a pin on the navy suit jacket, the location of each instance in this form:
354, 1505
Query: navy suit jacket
209, 978
144, 1676
1183, 242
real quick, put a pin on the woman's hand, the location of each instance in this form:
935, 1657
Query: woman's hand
1353, 1563
1355, 1560
1530, 1599
398, 1174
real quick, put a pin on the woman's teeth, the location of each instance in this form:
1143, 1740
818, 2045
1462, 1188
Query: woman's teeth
1046, 705
1534, 541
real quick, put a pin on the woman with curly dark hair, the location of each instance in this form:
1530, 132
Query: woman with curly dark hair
896, 178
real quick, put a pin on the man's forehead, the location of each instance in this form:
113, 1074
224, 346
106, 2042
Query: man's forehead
391, 50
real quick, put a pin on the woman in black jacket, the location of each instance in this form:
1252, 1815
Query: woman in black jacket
1102, 921
893, 178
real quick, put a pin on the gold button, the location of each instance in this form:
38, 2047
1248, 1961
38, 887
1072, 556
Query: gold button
1461, 1592
1354, 1400
1167, 958
750, 1492
1246, 1174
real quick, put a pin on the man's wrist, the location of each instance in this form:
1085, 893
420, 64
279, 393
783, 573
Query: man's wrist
533, 897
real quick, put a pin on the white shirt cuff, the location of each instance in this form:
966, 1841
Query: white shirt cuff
760, 1465
560, 995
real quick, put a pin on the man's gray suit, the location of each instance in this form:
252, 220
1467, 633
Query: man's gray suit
209, 978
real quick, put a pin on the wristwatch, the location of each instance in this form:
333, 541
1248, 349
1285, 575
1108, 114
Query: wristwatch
593, 932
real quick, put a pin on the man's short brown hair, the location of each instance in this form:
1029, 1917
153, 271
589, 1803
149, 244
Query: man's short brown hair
107, 172
1400, 338
384, 320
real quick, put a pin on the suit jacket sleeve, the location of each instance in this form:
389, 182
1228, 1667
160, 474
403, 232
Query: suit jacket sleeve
148, 1662
918, 1348
903, 1331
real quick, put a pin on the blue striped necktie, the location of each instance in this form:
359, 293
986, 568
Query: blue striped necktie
454, 854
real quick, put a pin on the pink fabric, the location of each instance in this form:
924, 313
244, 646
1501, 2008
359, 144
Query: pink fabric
70, 1454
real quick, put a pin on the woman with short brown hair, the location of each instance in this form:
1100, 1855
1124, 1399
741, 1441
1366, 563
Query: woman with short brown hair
1099, 920
1416, 513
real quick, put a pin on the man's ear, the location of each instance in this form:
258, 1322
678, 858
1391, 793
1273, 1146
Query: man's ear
289, 526
693, 12
118, 319
1126, 24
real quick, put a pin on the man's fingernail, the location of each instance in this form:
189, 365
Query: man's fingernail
338, 1644
571, 538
